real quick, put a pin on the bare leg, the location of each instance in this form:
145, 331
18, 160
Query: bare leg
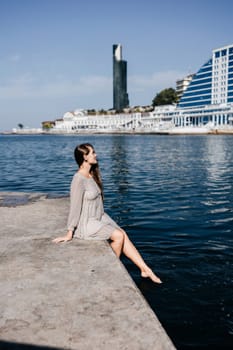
132, 253
117, 242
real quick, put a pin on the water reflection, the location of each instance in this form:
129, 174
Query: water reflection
119, 164
217, 158
174, 196
116, 173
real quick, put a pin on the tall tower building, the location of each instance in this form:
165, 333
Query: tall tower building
120, 95
213, 83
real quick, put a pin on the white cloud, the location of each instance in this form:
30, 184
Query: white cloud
87, 90
143, 88
14, 57
27, 86
155, 82
54, 97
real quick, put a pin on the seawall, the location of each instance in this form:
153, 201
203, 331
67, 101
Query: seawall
74, 295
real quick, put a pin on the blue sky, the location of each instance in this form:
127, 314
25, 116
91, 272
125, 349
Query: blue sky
56, 55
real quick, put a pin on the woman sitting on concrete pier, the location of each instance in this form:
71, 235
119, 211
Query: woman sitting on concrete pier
87, 219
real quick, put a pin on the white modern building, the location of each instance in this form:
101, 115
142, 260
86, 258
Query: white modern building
213, 83
80, 121
168, 119
206, 106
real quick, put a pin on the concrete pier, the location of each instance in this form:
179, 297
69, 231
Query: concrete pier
74, 295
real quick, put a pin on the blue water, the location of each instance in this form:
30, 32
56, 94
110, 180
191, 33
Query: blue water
174, 197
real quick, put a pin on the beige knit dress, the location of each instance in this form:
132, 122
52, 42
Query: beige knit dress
87, 218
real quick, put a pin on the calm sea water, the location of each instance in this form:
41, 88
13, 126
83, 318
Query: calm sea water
174, 197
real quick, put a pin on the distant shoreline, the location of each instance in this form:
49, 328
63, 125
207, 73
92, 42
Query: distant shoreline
132, 132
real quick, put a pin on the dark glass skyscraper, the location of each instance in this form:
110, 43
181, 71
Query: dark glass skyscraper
120, 95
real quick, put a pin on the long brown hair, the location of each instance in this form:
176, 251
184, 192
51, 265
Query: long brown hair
79, 153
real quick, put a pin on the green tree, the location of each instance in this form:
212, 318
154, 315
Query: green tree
165, 97
47, 125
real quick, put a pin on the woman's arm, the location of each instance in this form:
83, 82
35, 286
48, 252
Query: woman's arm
76, 198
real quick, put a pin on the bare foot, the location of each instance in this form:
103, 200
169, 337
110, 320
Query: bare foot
150, 274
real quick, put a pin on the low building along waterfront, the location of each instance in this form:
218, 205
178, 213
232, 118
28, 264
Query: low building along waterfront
206, 104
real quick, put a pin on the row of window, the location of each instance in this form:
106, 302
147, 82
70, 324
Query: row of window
222, 70
209, 111
204, 100
196, 98
201, 75
200, 81
223, 63
219, 95
216, 90
205, 69
220, 61
223, 52
223, 77
193, 104
219, 101
204, 94
200, 87
199, 90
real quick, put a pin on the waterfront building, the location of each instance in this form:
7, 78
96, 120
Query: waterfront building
206, 105
182, 84
210, 118
168, 119
120, 95
80, 121
213, 83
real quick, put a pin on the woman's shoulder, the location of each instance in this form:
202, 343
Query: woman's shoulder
78, 178
77, 174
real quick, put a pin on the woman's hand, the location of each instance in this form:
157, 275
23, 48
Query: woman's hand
68, 237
